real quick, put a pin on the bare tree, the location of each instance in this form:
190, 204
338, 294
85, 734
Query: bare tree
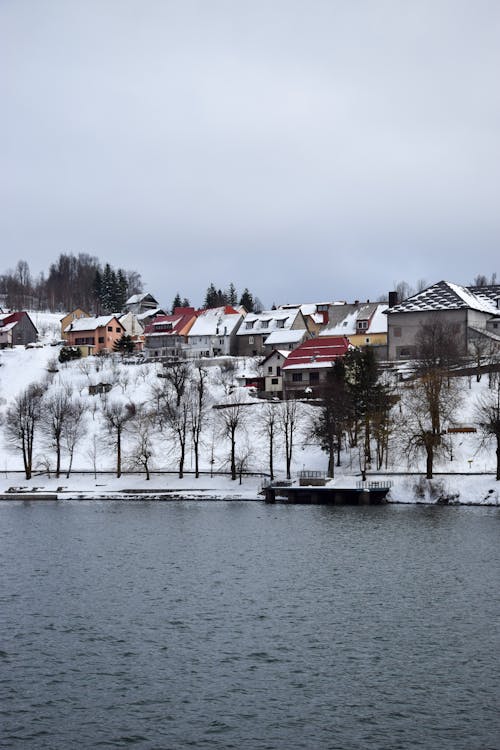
55, 411
478, 349
488, 416
22, 419
72, 430
289, 420
143, 441
175, 415
177, 375
116, 416
424, 408
231, 420
268, 426
197, 412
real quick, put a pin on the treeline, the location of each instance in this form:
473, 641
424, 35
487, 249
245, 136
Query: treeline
217, 297
72, 281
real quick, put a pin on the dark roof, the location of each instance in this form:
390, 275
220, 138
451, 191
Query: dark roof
448, 296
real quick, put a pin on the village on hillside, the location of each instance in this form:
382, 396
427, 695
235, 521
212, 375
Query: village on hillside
403, 391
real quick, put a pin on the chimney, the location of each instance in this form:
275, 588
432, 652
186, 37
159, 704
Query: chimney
393, 299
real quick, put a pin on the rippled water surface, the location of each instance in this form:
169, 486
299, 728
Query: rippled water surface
241, 625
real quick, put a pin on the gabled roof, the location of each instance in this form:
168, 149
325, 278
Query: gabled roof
316, 353
285, 336
15, 317
216, 321
179, 323
91, 324
344, 320
268, 321
285, 353
448, 296
135, 299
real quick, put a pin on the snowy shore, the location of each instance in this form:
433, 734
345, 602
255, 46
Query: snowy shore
449, 489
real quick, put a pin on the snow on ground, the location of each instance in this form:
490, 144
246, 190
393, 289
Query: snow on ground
19, 367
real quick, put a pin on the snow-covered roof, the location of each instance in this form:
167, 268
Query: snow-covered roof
217, 321
268, 321
448, 296
345, 320
90, 324
136, 298
150, 313
8, 327
284, 336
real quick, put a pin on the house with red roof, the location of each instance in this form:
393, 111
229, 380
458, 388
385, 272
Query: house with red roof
17, 329
305, 369
166, 337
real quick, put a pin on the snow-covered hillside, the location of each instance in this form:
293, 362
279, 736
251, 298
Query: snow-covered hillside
136, 383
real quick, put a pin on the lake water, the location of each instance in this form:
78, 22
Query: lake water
241, 625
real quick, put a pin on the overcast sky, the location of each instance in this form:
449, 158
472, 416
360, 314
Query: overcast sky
308, 150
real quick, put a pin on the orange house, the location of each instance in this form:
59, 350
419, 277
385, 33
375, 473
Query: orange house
94, 335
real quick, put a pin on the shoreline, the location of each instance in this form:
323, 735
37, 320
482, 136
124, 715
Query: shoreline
406, 489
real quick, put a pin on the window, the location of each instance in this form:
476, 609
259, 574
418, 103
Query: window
280, 323
110, 328
101, 339
269, 369
297, 377
118, 330
362, 325
314, 377
274, 381
278, 371
264, 324
367, 341
495, 325
249, 324
250, 339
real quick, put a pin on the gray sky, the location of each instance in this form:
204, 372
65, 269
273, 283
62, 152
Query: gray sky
308, 150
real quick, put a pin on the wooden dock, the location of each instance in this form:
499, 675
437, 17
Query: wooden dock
313, 490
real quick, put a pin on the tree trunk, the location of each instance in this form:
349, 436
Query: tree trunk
233, 457
331, 460
118, 454
429, 460
498, 457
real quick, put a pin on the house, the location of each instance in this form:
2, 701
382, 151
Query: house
141, 303
255, 330
166, 335
17, 329
316, 314
472, 311
305, 369
364, 324
70, 317
134, 329
94, 335
147, 317
213, 333
272, 367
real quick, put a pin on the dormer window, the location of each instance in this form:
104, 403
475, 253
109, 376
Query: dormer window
362, 325
264, 324
249, 324
280, 323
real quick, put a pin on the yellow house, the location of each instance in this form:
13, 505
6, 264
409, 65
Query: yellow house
69, 318
364, 324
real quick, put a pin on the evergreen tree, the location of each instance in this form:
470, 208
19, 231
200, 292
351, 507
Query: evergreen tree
177, 302
186, 302
121, 290
231, 295
97, 290
246, 300
211, 297
124, 345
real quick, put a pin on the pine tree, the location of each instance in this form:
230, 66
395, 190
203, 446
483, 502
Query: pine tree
121, 290
177, 302
246, 300
231, 295
211, 297
186, 302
